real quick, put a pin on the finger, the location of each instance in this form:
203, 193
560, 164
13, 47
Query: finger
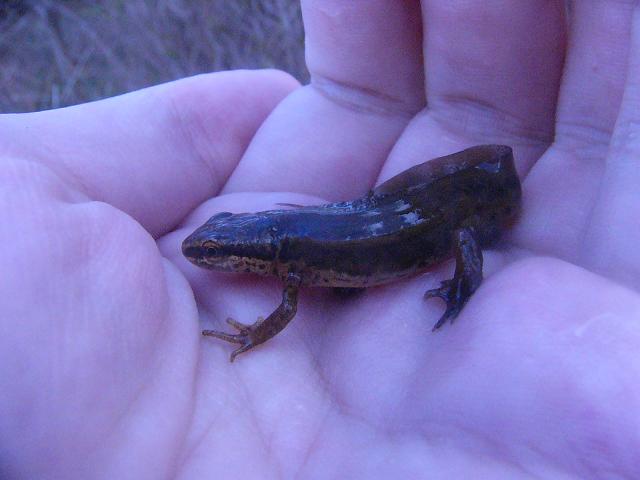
561, 191
493, 70
330, 138
155, 153
594, 75
611, 243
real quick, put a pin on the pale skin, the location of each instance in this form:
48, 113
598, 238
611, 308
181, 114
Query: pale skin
104, 371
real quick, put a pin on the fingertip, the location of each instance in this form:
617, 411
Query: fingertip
278, 77
242, 88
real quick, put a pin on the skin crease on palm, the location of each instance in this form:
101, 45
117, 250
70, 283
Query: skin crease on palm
104, 372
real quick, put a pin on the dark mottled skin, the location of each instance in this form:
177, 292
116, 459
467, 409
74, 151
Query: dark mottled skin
451, 205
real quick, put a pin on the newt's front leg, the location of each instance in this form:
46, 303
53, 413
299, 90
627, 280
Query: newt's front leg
263, 329
466, 279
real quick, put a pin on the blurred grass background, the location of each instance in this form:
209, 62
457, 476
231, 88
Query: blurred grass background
58, 53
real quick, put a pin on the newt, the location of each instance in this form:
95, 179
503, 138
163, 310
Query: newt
449, 206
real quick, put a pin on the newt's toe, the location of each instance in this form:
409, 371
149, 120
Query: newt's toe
243, 337
450, 292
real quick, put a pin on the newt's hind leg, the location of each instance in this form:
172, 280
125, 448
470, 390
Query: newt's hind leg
249, 336
466, 279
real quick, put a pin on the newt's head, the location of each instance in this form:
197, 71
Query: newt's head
243, 242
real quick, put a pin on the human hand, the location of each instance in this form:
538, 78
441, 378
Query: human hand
99, 339
538, 374
103, 361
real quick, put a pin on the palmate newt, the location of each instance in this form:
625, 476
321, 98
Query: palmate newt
451, 205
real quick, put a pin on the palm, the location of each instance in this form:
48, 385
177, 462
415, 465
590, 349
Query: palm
528, 379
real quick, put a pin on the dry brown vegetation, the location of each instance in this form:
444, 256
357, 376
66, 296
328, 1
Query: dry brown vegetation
57, 53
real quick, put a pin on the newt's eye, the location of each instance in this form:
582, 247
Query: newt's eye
211, 250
